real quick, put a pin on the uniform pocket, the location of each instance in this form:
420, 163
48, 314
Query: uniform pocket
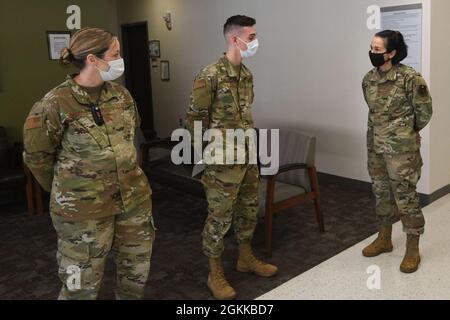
73, 260
86, 129
202, 98
228, 111
37, 140
225, 95
386, 95
247, 95
74, 253
129, 121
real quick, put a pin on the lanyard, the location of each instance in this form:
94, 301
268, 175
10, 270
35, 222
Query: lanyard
95, 110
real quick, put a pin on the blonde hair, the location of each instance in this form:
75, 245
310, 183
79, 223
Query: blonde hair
84, 42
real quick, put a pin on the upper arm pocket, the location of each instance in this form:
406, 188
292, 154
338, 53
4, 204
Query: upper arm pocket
422, 93
36, 140
201, 93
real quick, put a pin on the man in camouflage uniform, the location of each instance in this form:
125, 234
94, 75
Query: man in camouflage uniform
221, 99
100, 198
400, 106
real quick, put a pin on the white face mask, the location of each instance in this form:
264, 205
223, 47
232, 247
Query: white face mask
116, 69
252, 47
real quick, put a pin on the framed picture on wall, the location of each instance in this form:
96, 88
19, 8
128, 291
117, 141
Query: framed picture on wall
165, 70
155, 49
56, 41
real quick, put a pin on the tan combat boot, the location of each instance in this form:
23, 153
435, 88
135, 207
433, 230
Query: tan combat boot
411, 260
248, 263
382, 243
217, 283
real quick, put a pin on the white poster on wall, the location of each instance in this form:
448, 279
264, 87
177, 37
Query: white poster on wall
408, 20
57, 40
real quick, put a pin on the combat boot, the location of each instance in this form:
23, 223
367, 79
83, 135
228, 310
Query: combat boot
382, 243
217, 283
247, 262
411, 260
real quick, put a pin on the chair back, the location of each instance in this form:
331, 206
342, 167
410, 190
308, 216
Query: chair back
5, 155
296, 147
139, 138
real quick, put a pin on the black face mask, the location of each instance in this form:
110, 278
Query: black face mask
377, 59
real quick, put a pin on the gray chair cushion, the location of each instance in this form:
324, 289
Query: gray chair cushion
283, 191
296, 147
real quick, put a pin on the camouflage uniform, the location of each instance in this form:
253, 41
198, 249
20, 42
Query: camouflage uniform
98, 192
400, 107
221, 99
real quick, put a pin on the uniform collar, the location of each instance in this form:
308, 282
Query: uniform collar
84, 98
231, 72
391, 75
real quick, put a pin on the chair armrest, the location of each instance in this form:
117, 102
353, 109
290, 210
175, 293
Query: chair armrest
17, 161
288, 167
270, 194
27, 172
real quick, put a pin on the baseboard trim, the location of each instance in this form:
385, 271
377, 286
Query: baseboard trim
345, 182
436, 195
425, 199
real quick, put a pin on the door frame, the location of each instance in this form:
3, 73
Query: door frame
149, 133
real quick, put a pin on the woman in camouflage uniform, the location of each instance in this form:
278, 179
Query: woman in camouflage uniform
399, 108
79, 145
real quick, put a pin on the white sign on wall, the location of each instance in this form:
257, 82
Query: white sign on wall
408, 20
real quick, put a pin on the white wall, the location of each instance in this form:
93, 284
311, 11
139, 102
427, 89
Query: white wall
308, 71
440, 84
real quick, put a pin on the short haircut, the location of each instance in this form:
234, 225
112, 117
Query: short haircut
394, 40
236, 22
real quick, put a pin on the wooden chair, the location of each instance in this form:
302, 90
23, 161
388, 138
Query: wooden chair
14, 174
295, 183
155, 160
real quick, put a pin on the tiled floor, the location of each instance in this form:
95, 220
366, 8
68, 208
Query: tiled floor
345, 276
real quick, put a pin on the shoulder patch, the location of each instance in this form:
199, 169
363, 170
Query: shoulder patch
33, 122
199, 84
423, 90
